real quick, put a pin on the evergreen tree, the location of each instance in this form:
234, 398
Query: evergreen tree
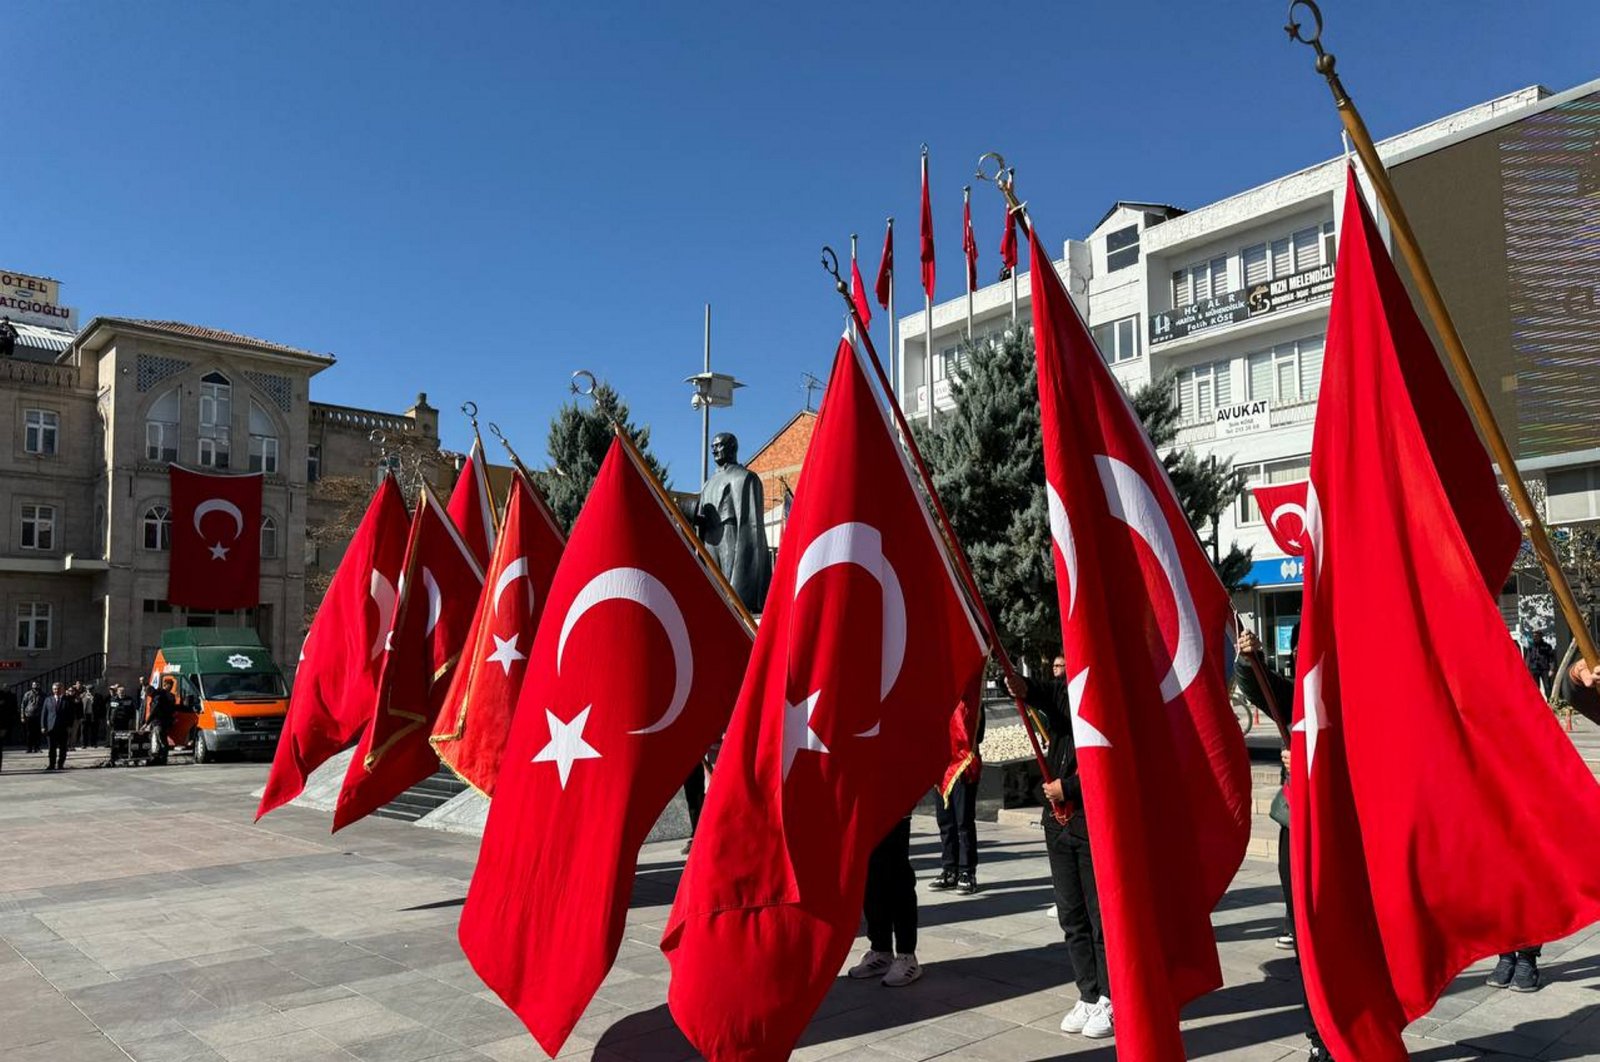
580, 435
987, 460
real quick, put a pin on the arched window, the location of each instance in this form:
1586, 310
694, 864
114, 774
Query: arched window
269, 537
161, 428
216, 418
158, 528
263, 440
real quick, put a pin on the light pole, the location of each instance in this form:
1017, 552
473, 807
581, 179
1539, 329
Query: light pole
711, 389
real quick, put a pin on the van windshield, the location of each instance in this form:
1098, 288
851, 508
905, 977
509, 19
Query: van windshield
242, 686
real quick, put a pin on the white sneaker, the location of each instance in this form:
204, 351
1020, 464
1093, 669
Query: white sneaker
872, 964
902, 971
1077, 1017
1099, 1025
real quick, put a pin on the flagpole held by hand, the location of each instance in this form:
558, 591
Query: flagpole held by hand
952, 545
1466, 376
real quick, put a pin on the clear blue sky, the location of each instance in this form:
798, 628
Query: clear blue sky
476, 199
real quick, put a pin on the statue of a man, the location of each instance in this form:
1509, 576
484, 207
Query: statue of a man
729, 519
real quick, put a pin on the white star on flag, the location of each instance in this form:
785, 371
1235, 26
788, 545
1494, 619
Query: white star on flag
1085, 735
505, 652
797, 732
219, 552
566, 745
1313, 717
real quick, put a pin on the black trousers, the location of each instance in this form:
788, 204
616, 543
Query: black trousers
958, 827
891, 903
694, 794
1285, 882
33, 733
1078, 910
58, 748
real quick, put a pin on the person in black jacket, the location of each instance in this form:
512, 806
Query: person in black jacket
957, 815
1071, 861
162, 709
55, 718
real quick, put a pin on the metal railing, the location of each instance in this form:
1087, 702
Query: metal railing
89, 669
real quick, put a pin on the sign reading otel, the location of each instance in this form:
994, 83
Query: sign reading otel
33, 300
1235, 306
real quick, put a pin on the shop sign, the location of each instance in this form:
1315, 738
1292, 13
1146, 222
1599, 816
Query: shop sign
1291, 291
1257, 300
1243, 418
1277, 571
34, 300
10, 665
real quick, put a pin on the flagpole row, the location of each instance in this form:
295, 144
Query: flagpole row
533, 487
1477, 401
952, 545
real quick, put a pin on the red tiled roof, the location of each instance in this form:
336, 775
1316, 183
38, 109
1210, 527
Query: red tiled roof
191, 331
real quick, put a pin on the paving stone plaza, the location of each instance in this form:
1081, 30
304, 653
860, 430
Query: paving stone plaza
143, 917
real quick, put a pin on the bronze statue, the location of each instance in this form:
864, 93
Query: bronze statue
729, 519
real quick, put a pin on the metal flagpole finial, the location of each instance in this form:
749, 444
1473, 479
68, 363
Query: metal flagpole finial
830, 265
471, 410
1325, 59
924, 149
583, 383
1004, 178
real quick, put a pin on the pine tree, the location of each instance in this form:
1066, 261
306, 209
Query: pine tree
987, 460
579, 437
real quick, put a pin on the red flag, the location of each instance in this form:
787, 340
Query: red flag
616, 710
965, 724
969, 243
472, 504
884, 286
1145, 622
438, 596
1425, 763
1283, 510
927, 230
858, 290
1008, 243
864, 651
336, 684
503, 628
216, 540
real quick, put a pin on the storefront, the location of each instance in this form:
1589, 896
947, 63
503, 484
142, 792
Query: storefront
1273, 604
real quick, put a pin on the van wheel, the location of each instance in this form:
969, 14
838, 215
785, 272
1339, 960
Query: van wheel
202, 754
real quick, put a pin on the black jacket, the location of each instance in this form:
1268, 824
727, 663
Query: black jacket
1584, 699
1049, 699
57, 714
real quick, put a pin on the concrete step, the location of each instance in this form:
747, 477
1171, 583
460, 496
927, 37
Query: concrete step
430, 793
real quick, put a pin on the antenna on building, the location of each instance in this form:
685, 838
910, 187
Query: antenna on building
811, 384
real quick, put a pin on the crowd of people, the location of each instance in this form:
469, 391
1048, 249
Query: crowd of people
76, 715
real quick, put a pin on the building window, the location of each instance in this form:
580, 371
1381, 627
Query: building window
1208, 280
1306, 248
1201, 390
263, 440
154, 607
1122, 248
1118, 340
313, 462
33, 625
269, 537
161, 429
42, 428
158, 528
216, 418
38, 527
1286, 374
1287, 470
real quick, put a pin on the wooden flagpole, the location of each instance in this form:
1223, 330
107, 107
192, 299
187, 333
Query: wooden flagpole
1400, 226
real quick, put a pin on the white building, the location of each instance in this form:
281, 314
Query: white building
1233, 297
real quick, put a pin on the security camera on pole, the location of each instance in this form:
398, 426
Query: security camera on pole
711, 389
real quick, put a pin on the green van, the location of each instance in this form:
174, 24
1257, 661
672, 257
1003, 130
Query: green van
231, 695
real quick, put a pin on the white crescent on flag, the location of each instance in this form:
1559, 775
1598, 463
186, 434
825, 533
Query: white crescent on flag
219, 505
639, 586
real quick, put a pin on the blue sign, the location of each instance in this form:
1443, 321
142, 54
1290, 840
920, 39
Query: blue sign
1277, 571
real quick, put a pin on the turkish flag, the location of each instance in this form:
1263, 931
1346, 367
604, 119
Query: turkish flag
842, 725
631, 678
471, 505
336, 684
1008, 243
883, 287
1145, 628
927, 232
858, 293
470, 733
1440, 814
216, 540
438, 597
969, 244
966, 723
1283, 510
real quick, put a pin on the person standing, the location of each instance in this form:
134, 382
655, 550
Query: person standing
163, 707
957, 815
10, 719
891, 912
55, 717
93, 709
1071, 860
32, 701
1540, 658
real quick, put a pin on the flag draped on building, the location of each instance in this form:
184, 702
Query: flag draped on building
1145, 629
438, 595
926, 232
1426, 765
631, 678
864, 651
470, 733
471, 504
969, 244
883, 287
215, 561
1283, 510
336, 682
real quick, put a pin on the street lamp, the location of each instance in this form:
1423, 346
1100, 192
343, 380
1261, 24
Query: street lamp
711, 390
